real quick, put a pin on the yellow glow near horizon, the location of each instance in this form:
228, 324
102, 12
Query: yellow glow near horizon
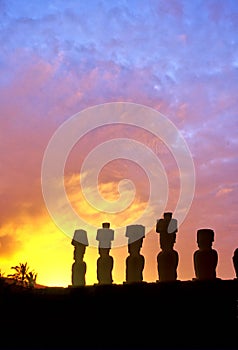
48, 251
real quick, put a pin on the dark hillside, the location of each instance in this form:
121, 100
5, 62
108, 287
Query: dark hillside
164, 315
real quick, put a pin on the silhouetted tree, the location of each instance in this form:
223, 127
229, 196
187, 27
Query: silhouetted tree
31, 279
23, 276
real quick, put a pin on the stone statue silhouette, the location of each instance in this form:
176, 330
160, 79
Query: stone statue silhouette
79, 241
168, 258
235, 261
105, 236
205, 259
135, 262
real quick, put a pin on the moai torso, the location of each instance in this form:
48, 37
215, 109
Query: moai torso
78, 273
134, 268
104, 267
167, 263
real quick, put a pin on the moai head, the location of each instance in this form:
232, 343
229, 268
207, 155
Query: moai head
80, 236
167, 224
135, 234
167, 228
79, 252
167, 241
135, 247
106, 225
79, 241
168, 216
205, 238
105, 236
103, 251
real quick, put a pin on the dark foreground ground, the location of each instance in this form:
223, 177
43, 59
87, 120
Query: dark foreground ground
168, 315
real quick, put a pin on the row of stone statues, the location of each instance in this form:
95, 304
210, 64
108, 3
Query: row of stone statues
205, 259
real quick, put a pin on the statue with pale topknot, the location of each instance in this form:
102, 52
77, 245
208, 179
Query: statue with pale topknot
79, 241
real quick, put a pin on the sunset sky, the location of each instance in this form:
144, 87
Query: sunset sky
59, 58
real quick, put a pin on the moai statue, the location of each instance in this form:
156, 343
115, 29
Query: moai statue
168, 258
79, 241
205, 259
135, 261
235, 261
105, 236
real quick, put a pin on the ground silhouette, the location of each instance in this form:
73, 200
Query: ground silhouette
163, 315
